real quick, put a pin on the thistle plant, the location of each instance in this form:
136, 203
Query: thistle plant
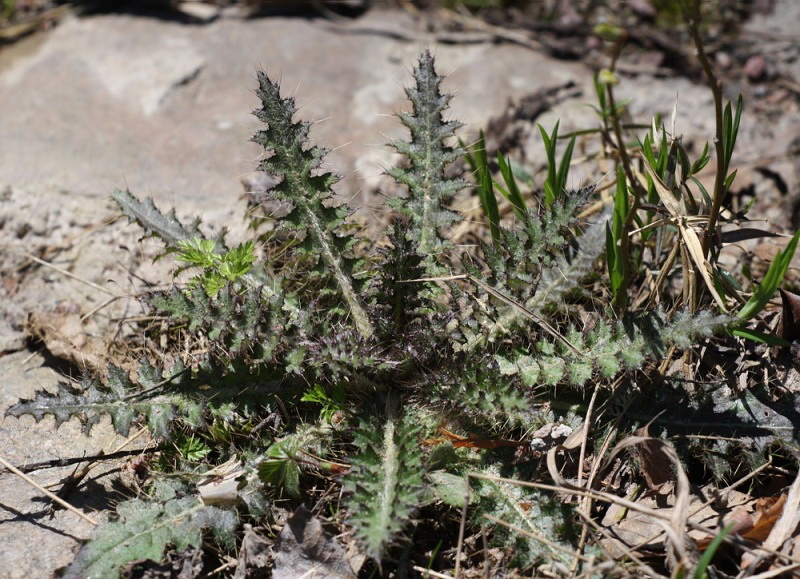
428, 156
340, 365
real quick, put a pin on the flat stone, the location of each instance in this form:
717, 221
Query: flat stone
163, 108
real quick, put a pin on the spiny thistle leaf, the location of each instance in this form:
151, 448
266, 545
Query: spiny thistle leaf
117, 398
254, 323
566, 273
517, 263
386, 482
144, 530
609, 347
658, 332
166, 227
401, 302
429, 190
308, 191
480, 390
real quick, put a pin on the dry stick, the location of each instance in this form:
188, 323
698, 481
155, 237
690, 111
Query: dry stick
670, 522
629, 552
698, 508
462, 527
679, 514
96, 309
505, 299
598, 462
69, 274
588, 519
513, 303
74, 479
485, 542
571, 489
692, 16
428, 573
534, 536
231, 562
775, 572
689, 240
666, 268
62, 462
46, 492
587, 421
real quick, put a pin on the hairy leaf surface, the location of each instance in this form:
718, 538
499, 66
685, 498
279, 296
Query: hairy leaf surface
386, 482
144, 530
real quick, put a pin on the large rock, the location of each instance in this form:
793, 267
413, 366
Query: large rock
163, 108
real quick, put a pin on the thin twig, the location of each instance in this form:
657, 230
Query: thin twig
462, 527
571, 489
74, 479
96, 309
627, 554
692, 16
69, 274
46, 492
778, 572
513, 303
534, 536
652, 538
587, 422
429, 573
157, 385
587, 503
62, 462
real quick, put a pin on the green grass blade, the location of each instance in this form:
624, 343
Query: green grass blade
705, 560
759, 337
770, 282
486, 190
470, 158
512, 193
729, 180
700, 163
703, 191
563, 168
734, 131
550, 186
727, 129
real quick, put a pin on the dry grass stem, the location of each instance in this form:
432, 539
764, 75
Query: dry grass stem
46, 492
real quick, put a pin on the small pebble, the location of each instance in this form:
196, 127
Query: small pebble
642, 8
723, 60
756, 67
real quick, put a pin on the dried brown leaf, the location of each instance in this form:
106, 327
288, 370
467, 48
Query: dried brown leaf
254, 554
65, 337
691, 241
789, 327
767, 512
654, 460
